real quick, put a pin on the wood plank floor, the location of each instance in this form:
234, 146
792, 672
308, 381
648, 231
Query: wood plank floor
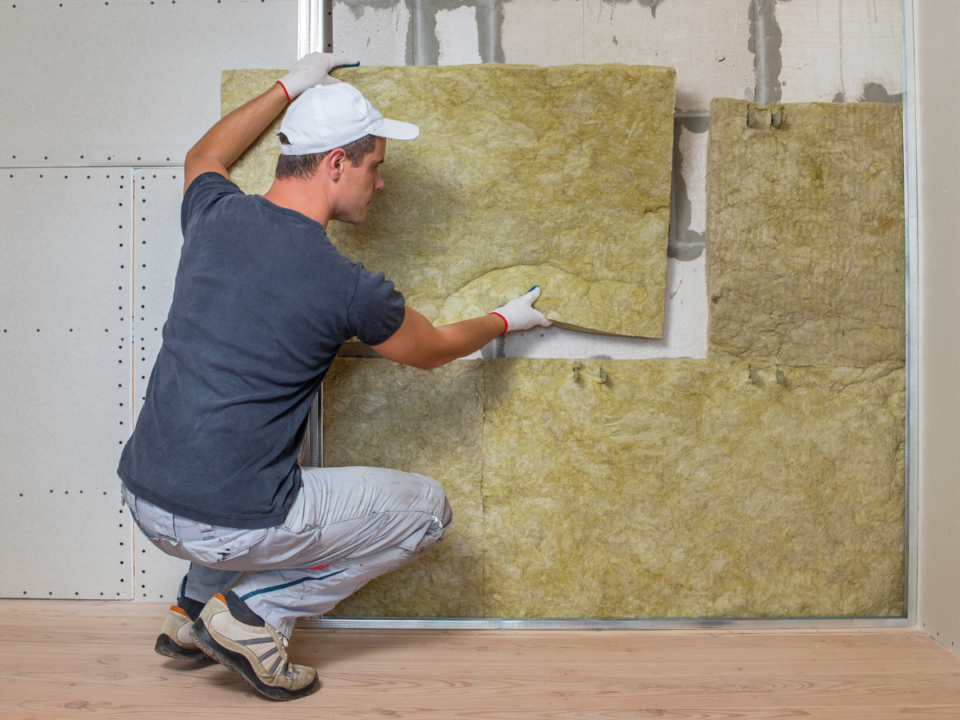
62, 659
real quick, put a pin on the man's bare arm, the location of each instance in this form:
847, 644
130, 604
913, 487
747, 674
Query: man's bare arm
418, 343
225, 141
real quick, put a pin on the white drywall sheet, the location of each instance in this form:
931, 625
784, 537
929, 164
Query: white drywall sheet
938, 160
65, 387
88, 82
157, 195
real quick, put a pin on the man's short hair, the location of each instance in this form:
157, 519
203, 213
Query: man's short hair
303, 167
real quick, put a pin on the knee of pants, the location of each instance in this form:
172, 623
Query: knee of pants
447, 516
435, 532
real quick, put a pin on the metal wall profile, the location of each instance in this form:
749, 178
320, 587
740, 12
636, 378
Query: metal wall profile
315, 27
310, 27
558, 624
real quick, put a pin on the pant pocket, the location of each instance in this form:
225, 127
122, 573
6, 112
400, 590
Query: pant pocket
229, 546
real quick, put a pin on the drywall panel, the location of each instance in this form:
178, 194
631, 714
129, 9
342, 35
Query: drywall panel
65, 391
375, 35
531, 195
707, 42
381, 414
840, 51
134, 82
938, 160
624, 489
157, 195
805, 219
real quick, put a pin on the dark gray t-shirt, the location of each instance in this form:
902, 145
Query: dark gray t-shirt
262, 302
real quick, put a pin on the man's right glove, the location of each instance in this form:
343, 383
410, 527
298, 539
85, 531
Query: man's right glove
519, 314
314, 69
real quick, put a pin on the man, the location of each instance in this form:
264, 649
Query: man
262, 303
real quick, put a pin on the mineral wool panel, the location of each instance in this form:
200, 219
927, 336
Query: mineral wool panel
676, 489
521, 176
805, 220
381, 414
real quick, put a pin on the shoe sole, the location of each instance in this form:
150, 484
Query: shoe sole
240, 664
167, 647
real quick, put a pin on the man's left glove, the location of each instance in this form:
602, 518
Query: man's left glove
314, 69
520, 314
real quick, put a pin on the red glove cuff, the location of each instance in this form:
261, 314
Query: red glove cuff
505, 323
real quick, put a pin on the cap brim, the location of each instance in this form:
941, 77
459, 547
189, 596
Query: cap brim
396, 130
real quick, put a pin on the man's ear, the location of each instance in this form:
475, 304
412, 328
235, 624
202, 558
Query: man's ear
335, 162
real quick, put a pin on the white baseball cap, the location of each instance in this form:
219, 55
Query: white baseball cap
330, 116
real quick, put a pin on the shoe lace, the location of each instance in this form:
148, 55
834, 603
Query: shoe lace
286, 668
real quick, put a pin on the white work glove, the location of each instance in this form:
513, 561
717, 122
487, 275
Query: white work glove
314, 69
519, 314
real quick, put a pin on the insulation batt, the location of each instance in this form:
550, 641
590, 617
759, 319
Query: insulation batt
805, 220
671, 488
379, 413
692, 488
521, 176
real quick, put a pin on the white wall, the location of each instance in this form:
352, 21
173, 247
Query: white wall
937, 27
89, 90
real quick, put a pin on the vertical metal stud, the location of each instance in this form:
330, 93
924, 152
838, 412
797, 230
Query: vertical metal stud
315, 27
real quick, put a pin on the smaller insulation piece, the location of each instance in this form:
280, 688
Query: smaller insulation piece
691, 488
521, 176
805, 220
378, 413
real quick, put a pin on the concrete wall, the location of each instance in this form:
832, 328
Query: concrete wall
768, 50
937, 54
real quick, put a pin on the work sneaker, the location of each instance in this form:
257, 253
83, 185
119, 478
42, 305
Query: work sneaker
257, 654
175, 640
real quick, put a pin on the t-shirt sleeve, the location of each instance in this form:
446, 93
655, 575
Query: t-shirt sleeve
377, 309
205, 190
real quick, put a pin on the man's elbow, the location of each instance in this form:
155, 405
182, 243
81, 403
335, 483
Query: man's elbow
431, 363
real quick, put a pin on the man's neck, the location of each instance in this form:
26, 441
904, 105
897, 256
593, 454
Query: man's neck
303, 197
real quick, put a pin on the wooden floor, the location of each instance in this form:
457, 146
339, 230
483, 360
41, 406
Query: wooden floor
91, 659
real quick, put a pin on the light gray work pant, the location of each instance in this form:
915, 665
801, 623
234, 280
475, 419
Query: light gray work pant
347, 526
